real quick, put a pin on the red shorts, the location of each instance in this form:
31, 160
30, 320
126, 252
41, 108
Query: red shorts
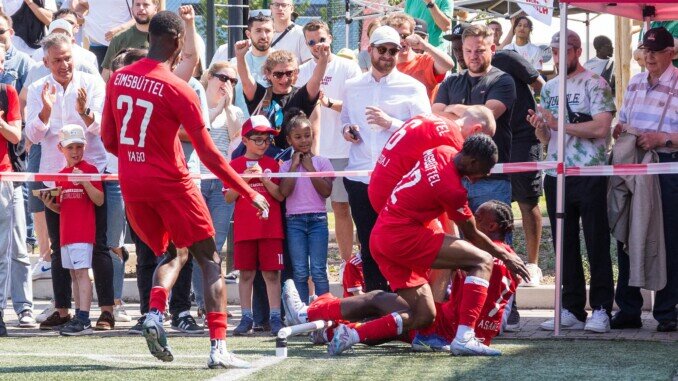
405, 252
184, 220
264, 254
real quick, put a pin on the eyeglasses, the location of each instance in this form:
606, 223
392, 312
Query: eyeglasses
280, 5
404, 35
314, 42
280, 74
382, 50
262, 141
224, 78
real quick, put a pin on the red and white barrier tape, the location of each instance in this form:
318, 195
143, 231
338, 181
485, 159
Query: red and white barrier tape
598, 170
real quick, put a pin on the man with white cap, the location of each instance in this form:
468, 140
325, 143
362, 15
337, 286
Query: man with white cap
64, 25
375, 105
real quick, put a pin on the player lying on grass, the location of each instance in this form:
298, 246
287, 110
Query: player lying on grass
496, 221
406, 245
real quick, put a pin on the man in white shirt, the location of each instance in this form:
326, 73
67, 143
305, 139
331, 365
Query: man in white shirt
103, 20
65, 97
288, 35
331, 142
603, 64
375, 105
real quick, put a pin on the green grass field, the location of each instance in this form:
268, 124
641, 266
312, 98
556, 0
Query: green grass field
126, 358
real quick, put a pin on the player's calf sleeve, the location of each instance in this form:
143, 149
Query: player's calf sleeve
325, 309
217, 321
158, 298
472, 300
386, 327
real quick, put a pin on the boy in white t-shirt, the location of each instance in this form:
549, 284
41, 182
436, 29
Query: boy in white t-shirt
77, 224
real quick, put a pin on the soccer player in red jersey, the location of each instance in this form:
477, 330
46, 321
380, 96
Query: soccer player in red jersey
417, 135
406, 247
145, 104
496, 221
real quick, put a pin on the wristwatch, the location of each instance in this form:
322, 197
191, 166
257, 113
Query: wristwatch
329, 103
86, 113
669, 143
431, 4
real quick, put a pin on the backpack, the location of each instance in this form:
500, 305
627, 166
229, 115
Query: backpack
17, 152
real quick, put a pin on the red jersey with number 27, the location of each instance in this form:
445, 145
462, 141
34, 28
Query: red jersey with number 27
148, 103
432, 187
404, 148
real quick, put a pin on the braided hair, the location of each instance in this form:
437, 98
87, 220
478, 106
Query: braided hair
503, 215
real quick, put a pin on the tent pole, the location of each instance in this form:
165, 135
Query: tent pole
588, 36
560, 173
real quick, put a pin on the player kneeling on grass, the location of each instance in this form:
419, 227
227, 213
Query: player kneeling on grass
494, 220
75, 204
258, 242
406, 245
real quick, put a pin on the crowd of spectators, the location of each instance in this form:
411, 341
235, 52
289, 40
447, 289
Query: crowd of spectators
286, 103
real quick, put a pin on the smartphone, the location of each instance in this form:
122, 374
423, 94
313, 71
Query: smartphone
353, 132
251, 163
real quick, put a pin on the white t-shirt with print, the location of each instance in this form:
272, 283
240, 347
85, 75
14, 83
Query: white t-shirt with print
339, 70
295, 42
531, 52
103, 16
587, 93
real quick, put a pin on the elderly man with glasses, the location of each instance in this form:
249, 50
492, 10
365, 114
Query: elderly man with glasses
375, 105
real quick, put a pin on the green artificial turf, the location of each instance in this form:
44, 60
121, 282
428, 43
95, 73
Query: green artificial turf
126, 358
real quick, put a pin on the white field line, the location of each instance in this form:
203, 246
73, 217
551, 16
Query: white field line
115, 359
237, 374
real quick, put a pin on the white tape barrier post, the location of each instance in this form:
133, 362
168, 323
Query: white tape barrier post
284, 333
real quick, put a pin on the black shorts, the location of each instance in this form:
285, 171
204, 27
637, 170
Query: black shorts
526, 187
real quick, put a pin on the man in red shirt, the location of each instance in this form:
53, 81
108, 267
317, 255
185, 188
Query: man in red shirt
12, 217
406, 246
420, 133
145, 104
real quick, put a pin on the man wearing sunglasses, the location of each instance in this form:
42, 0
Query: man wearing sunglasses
375, 104
330, 141
429, 67
288, 35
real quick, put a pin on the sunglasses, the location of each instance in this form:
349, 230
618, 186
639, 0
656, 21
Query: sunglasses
280, 74
224, 78
405, 35
314, 42
262, 141
382, 50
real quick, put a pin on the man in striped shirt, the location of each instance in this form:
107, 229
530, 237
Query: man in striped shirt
645, 109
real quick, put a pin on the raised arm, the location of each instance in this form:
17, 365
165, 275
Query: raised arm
249, 86
189, 53
41, 13
313, 84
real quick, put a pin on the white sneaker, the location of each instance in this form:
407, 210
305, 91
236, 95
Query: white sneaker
221, 358
535, 276
42, 270
567, 321
26, 319
472, 347
46, 313
599, 322
344, 338
295, 309
120, 313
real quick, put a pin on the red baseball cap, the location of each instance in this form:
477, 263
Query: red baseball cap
258, 123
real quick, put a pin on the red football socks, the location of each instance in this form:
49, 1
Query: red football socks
386, 327
472, 300
158, 299
326, 307
216, 321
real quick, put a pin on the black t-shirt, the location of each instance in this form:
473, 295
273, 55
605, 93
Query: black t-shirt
523, 73
461, 88
280, 103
